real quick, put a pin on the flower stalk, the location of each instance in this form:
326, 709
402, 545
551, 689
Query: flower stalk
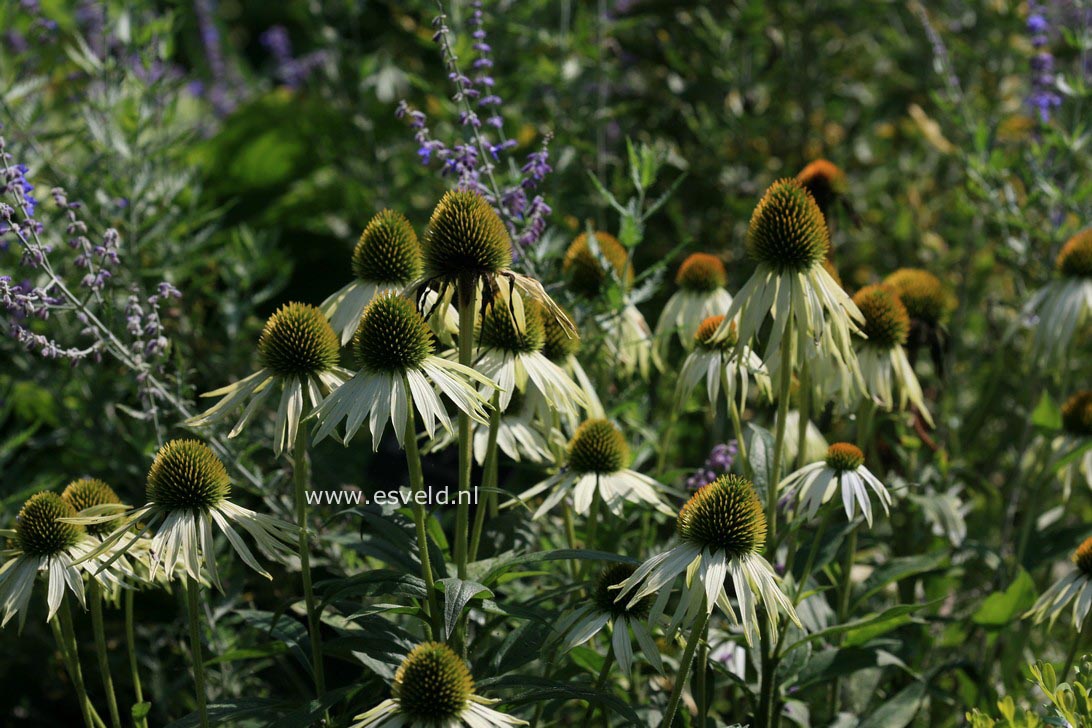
685, 664
784, 385
301, 476
489, 481
100, 650
134, 666
192, 610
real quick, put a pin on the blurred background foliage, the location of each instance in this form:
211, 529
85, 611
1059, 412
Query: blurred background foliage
245, 182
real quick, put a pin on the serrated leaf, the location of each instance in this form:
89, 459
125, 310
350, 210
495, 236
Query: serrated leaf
457, 594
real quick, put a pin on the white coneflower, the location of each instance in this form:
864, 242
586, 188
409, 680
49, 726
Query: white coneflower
589, 265
583, 623
1065, 304
843, 469
722, 530
881, 356
512, 357
561, 347
298, 352
386, 258
1075, 588
598, 457
393, 348
434, 689
188, 489
788, 238
701, 279
1076, 433
45, 542
719, 362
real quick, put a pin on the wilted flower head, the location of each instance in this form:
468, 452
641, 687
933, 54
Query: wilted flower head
88, 493
722, 529
298, 352
587, 270
387, 257
1064, 305
843, 469
825, 181
884, 365
1075, 587
598, 462
433, 688
398, 370
921, 292
701, 279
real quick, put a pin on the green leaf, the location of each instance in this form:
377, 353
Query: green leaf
140, 711
1047, 415
498, 567
1001, 608
899, 711
543, 689
760, 451
865, 621
253, 653
457, 593
898, 569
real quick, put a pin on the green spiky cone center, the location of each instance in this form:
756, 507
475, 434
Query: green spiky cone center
886, 322
1082, 557
187, 475
297, 341
921, 292
38, 532
701, 272
388, 251
585, 272
605, 597
1077, 414
433, 683
598, 447
392, 336
87, 493
787, 230
501, 331
725, 514
559, 345
843, 456
465, 237
704, 337
1075, 259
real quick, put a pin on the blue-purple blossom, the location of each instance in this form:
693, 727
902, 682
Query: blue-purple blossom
719, 462
1043, 97
291, 71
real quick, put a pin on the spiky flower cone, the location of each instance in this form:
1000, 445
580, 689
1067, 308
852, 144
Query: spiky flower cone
887, 323
584, 271
187, 475
843, 456
701, 272
87, 493
598, 447
298, 341
433, 683
1077, 414
392, 336
921, 292
38, 530
499, 330
1075, 258
559, 344
465, 237
787, 230
1082, 557
388, 251
725, 514
706, 337
606, 598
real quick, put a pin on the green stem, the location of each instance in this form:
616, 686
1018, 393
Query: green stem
741, 444
592, 527
100, 649
192, 608
784, 386
803, 412
490, 469
600, 683
417, 485
570, 533
665, 444
701, 676
809, 564
301, 475
1031, 514
768, 714
1072, 656
68, 635
685, 665
130, 640
466, 443
846, 587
